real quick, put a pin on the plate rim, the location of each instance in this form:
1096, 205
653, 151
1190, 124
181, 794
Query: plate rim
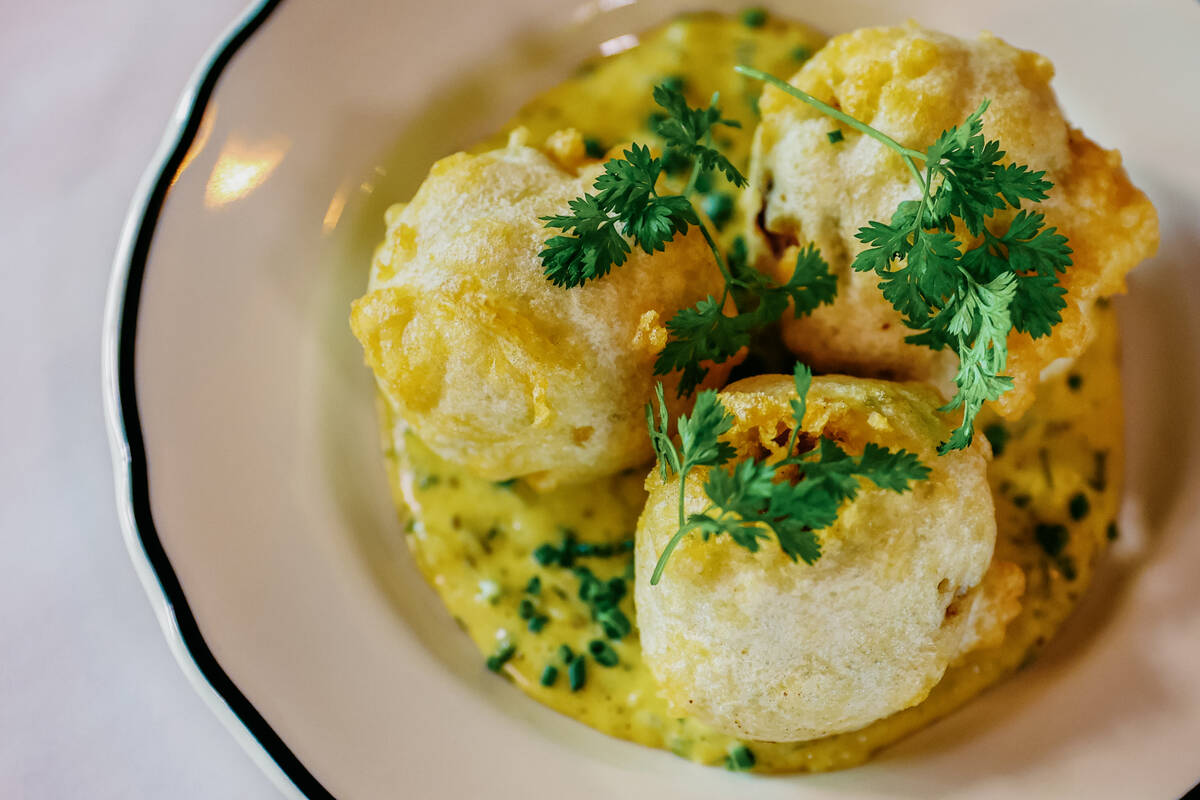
131, 475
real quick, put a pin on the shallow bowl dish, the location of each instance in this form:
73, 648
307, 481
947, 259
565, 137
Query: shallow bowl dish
253, 496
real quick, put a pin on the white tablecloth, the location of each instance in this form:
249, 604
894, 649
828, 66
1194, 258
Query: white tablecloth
92, 704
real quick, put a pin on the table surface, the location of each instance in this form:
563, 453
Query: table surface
92, 703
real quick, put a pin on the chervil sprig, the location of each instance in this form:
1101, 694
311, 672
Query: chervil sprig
757, 497
965, 292
627, 210
627, 203
705, 333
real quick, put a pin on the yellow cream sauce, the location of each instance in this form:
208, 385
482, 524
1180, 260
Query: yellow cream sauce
1056, 476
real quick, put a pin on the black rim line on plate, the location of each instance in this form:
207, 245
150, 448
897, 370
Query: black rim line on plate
131, 430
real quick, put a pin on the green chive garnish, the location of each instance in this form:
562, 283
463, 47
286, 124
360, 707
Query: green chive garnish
501, 657
1052, 538
604, 654
739, 759
526, 609
754, 17
549, 675
1079, 506
577, 673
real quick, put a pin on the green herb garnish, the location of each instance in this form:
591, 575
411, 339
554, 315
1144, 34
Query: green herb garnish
628, 211
1052, 538
526, 609
577, 673
501, 657
965, 299
754, 17
740, 759
603, 600
603, 653
1079, 506
549, 675
997, 435
751, 498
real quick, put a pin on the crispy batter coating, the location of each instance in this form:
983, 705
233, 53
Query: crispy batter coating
491, 365
764, 648
912, 84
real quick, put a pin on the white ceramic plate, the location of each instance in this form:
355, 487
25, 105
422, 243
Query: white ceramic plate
244, 440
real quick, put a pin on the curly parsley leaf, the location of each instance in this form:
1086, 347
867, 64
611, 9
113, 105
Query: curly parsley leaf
627, 211
687, 132
699, 433
705, 333
791, 498
969, 300
627, 205
954, 297
702, 332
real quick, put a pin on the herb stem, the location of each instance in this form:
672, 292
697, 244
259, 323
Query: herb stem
695, 176
829, 110
716, 251
684, 530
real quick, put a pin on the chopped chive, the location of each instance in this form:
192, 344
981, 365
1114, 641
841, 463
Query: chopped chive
614, 623
1112, 532
501, 657
801, 53
593, 148
546, 555
577, 673
673, 83
754, 17
549, 675
1022, 500
997, 435
603, 653
428, 480
526, 609
537, 623
835, 136
1079, 506
565, 653
507, 484
740, 758
1074, 382
566, 553
1066, 565
1052, 538
534, 586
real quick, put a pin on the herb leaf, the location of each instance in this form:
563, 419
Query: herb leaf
704, 333
687, 131
967, 300
750, 500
